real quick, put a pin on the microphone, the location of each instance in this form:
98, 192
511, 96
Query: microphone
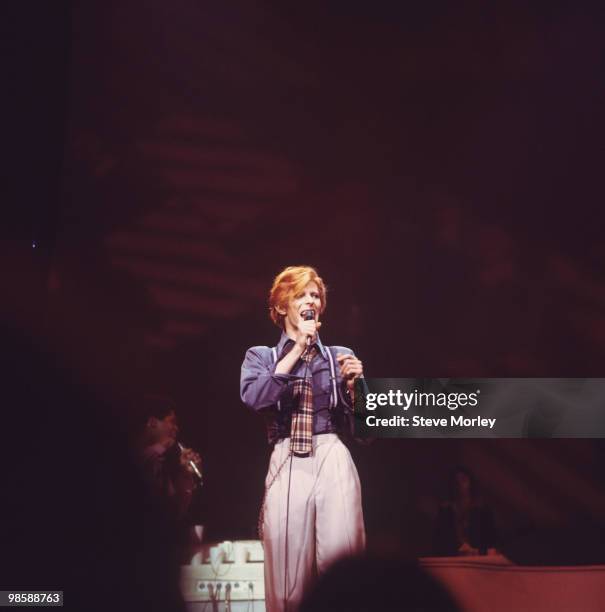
192, 465
308, 315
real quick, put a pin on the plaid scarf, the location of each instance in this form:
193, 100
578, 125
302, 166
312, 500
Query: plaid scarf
301, 430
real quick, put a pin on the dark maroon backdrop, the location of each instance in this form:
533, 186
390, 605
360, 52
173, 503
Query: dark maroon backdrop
438, 164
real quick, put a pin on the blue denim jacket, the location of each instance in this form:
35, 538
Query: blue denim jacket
270, 394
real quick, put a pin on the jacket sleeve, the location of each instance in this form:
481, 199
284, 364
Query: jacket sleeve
343, 393
344, 398
260, 386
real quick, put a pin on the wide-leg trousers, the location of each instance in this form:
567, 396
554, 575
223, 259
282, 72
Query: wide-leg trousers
323, 515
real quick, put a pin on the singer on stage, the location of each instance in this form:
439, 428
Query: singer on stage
312, 511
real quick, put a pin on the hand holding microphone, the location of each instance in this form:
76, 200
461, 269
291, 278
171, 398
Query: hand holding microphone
308, 326
191, 460
350, 368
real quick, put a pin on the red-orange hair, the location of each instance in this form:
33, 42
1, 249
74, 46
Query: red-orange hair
289, 283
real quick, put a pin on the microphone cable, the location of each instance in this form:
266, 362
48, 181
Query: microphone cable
306, 370
261, 517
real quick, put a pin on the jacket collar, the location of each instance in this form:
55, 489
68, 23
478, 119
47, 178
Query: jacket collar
285, 340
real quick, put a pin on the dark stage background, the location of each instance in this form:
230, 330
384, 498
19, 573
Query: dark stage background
439, 165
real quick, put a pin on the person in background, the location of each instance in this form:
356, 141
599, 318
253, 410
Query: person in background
464, 524
165, 465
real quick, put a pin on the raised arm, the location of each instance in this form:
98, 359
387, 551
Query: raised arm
260, 385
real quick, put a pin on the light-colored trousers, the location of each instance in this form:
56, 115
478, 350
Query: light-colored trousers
324, 516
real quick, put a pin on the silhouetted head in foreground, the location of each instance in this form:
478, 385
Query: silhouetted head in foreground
367, 583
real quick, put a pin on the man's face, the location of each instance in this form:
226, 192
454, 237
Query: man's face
308, 299
164, 430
